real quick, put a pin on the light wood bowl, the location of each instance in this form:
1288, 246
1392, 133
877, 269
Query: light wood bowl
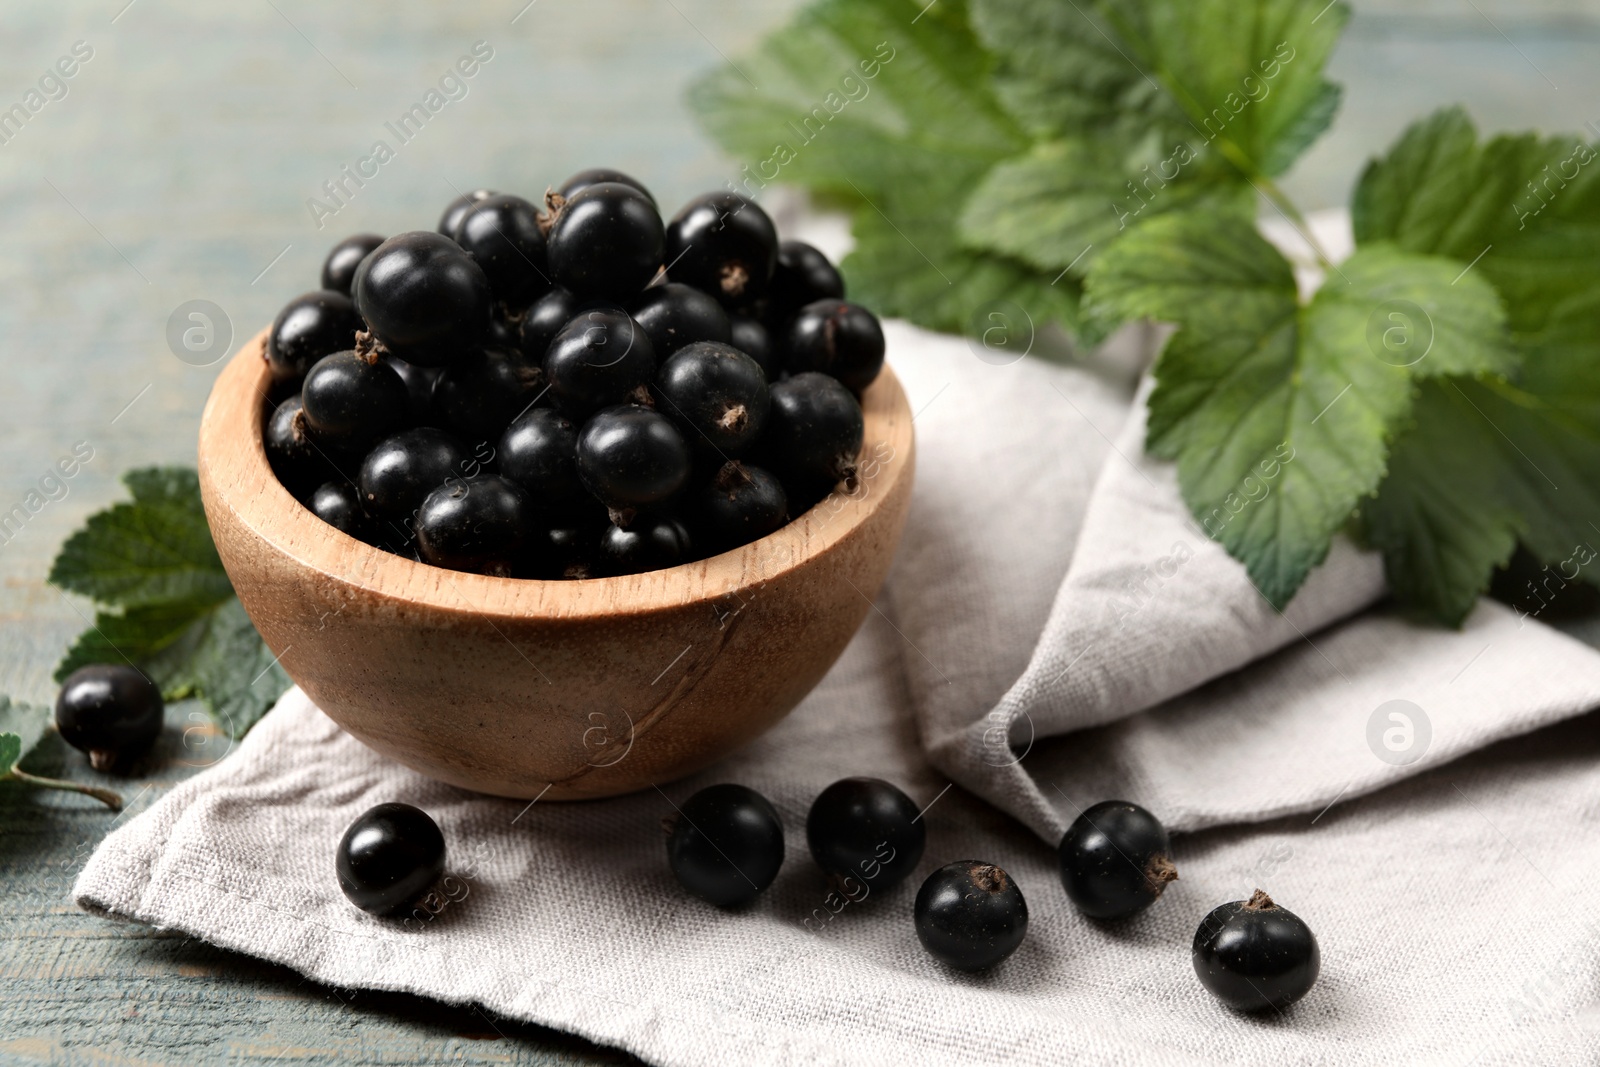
559, 689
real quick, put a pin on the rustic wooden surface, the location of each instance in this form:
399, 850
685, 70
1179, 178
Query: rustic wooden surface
177, 167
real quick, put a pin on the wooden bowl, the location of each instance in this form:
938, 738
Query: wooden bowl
559, 689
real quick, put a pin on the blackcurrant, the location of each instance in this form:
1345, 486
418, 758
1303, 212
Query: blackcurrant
419, 387
740, 504
836, 338
423, 298
339, 269
648, 544
456, 211
598, 176
543, 320
338, 503
479, 525
400, 471
300, 463
606, 242
477, 396
725, 844
502, 234
814, 431
570, 547
1115, 860
389, 858
750, 337
717, 394
351, 403
539, 451
1253, 955
310, 326
674, 315
111, 711
725, 244
970, 915
866, 834
802, 275
630, 457
600, 358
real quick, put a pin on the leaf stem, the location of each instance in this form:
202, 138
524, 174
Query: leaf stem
104, 796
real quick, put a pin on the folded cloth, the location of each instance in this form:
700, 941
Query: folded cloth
1056, 631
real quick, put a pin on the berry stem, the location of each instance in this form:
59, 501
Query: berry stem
1259, 901
104, 796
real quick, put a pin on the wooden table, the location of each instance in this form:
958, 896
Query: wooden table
178, 167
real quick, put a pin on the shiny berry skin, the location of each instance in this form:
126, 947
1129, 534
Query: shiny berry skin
389, 858
310, 326
569, 548
600, 358
717, 394
502, 234
110, 711
479, 525
674, 315
477, 396
649, 543
836, 338
606, 242
750, 337
725, 844
419, 387
1115, 860
740, 504
724, 244
539, 452
630, 457
970, 915
400, 471
802, 275
1253, 955
814, 431
598, 176
543, 320
298, 461
351, 403
865, 830
338, 503
456, 211
424, 298
339, 269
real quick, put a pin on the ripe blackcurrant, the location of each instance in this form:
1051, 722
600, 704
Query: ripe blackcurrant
339, 269
725, 844
1253, 955
739, 505
750, 337
814, 432
477, 396
970, 915
479, 525
599, 176
544, 319
111, 711
674, 315
400, 472
803, 275
338, 503
351, 403
1115, 860
419, 387
300, 463
718, 394
724, 244
389, 858
539, 451
865, 833
502, 234
569, 548
630, 457
310, 326
649, 543
425, 299
456, 211
600, 358
606, 242
836, 338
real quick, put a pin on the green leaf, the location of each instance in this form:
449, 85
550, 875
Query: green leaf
156, 549
222, 661
1277, 414
132, 636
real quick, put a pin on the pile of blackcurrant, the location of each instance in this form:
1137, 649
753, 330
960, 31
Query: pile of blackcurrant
573, 389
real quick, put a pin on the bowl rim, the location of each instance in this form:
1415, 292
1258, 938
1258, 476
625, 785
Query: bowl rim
235, 474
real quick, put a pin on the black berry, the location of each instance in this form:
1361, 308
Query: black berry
300, 463
338, 503
674, 315
502, 234
717, 393
419, 387
1115, 860
1253, 955
339, 269
544, 319
600, 176
400, 472
310, 326
606, 242
866, 834
351, 403
539, 452
479, 525
648, 544
724, 244
970, 915
631, 458
802, 275
750, 337
456, 211
836, 338
814, 431
423, 298
110, 711
600, 358
389, 858
477, 396
725, 844
740, 504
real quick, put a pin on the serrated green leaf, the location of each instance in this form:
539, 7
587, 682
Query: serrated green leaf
10, 751
27, 723
156, 549
222, 661
131, 636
